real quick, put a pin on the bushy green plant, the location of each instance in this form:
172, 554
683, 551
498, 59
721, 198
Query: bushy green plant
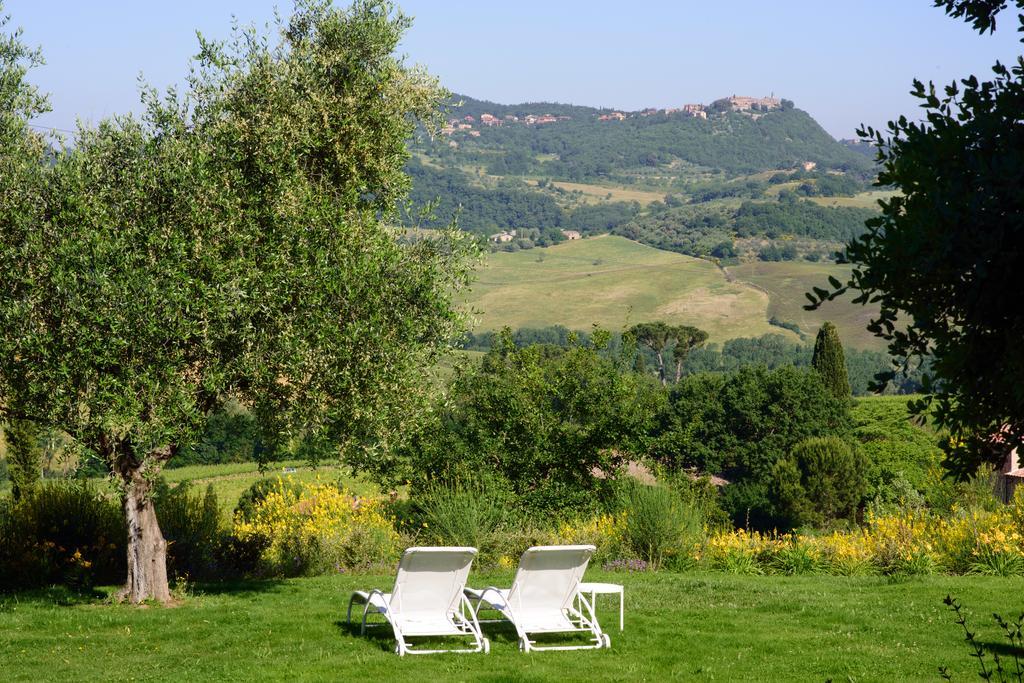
318, 528
660, 525
820, 482
191, 523
257, 493
541, 420
61, 532
462, 515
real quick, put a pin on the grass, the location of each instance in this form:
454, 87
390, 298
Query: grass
862, 200
599, 193
785, 283
678, 626
613, 282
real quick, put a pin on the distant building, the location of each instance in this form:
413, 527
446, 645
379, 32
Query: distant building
475, 133
503, 236
695, 111
809, 165
614, 116
468, 119
571, 234
488, 120
753, 103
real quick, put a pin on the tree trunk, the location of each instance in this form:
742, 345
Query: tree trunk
147, 549
661, 369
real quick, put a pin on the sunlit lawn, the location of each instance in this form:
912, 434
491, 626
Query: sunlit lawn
678, 627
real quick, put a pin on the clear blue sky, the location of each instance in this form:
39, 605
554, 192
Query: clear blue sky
844, 61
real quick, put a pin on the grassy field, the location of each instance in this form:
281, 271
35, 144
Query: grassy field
701, 627
863, 200
615, 283
785, 283
599, 193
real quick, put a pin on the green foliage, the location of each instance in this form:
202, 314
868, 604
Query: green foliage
585, 148
539, 420
830, 362
462, 515
660, 525
233, 241
257, 493
191, 523
700, 230
60, 533
941, 264
24, 456
739, 425
821, 481
901, 455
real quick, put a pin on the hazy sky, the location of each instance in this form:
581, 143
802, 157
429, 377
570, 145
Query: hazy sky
844, 61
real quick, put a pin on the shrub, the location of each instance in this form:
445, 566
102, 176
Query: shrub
318, 528
61, 532
605, 532
257, 493
659, 524
191, 524
820, 482
462, 515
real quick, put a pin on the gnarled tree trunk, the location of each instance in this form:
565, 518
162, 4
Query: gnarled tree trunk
147, 549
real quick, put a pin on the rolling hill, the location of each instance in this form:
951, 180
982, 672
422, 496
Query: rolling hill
615, 282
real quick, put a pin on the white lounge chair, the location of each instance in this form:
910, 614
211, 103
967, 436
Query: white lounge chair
545, 597
427, 600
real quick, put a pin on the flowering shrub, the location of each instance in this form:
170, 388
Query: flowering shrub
912, 542
318, 528
61, 532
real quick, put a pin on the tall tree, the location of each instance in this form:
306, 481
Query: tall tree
830, 361
231, 243
655, 336
943, 259
687, 339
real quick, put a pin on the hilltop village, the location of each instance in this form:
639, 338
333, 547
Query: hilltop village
752, 106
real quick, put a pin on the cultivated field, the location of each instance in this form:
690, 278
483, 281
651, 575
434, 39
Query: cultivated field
863, 200
787, 281
701, 627
600, 193
614, 282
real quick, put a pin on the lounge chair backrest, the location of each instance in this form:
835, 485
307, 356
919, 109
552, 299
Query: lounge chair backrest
431, 580
549, 577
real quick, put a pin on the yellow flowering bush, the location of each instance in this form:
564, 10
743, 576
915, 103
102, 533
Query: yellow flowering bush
604, 531
316, 528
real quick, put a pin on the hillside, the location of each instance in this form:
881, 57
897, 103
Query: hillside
579, 145
614, 282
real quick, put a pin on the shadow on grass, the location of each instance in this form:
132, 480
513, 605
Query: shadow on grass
1004, 650
239, 587
61, 596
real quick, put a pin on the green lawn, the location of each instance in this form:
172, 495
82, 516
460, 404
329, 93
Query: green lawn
678, 627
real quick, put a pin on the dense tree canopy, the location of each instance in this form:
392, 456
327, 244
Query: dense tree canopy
227, 244
943, 259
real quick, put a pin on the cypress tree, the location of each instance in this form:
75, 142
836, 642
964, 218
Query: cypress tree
830, 361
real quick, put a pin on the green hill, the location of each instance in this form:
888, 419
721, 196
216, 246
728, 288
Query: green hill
584, 147
614, 282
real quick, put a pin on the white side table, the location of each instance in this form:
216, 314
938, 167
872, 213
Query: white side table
606, 588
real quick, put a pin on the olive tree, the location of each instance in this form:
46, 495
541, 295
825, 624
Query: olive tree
233, 241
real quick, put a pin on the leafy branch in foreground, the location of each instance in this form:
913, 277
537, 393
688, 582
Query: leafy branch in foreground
1011, 631
942, 259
